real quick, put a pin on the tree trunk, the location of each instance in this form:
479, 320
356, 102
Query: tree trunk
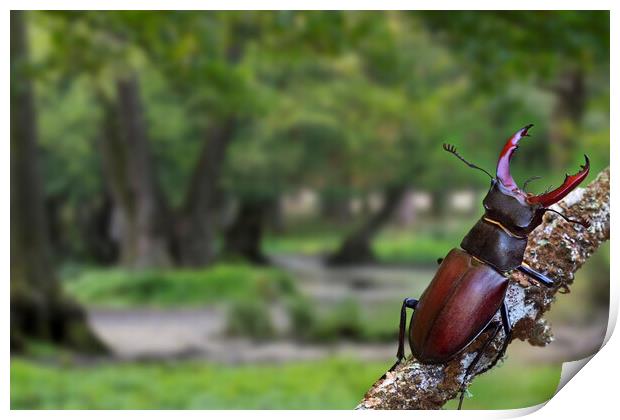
38, 308
275, 215
556, 248
94, 219
567, 115
243, 238
60, 245
357, 247
198, 221
335, 207
141, 224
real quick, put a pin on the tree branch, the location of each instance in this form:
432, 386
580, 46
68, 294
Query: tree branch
556, 248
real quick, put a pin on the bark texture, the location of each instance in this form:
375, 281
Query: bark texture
556, 248
244, 236
140, 214
198, 221
38, 308
94, 218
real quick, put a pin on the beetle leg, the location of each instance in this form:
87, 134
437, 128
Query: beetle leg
539, 277
474, 362
508, 333
505, 319
400, 354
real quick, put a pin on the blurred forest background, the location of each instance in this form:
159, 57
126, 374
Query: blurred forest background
225, 209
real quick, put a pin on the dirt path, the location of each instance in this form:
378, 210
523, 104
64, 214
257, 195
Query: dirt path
369, 284
198, 332
174, 334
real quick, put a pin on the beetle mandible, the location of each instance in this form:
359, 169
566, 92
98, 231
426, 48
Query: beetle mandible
469, 287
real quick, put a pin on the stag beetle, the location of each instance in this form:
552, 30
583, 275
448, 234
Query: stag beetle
469, 287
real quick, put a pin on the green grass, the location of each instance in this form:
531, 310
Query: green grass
511, 386
380, 322
232, 282
326, 384
347, 320
391, 246
224, 282
408, 247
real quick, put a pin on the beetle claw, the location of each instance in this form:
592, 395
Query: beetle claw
570, 183
503, 164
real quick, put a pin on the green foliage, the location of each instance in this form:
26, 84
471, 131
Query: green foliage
381, 322
342, 322
340, 101
303, 318
250, 317
511, 387
410, 246
122, 288
346, 321
325, 384
68, 127
508, 44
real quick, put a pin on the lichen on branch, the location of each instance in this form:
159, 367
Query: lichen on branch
557, 248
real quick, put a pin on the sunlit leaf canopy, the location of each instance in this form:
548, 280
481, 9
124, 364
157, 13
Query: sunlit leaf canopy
536, 44
348, 101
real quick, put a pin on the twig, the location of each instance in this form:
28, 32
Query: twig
556, 248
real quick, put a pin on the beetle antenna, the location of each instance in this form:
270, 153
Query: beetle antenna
585, 223
451, 149
530, 179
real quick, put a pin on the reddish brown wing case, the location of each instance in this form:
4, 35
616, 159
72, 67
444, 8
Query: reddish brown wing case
463, 296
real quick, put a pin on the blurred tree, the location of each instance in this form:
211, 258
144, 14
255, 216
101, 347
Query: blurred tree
170, 39
404, 75
357, 246
564, 52
243, 237
204, 56
79, 207
141, 213
206, 70
38, 308
242, 107
201, 56
135, 220
269, 156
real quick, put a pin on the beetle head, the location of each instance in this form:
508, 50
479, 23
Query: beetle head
515, 208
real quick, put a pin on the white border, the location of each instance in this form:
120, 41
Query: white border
311, 5
592, 394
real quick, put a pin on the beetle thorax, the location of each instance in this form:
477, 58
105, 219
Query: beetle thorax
500, 236
511, 210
